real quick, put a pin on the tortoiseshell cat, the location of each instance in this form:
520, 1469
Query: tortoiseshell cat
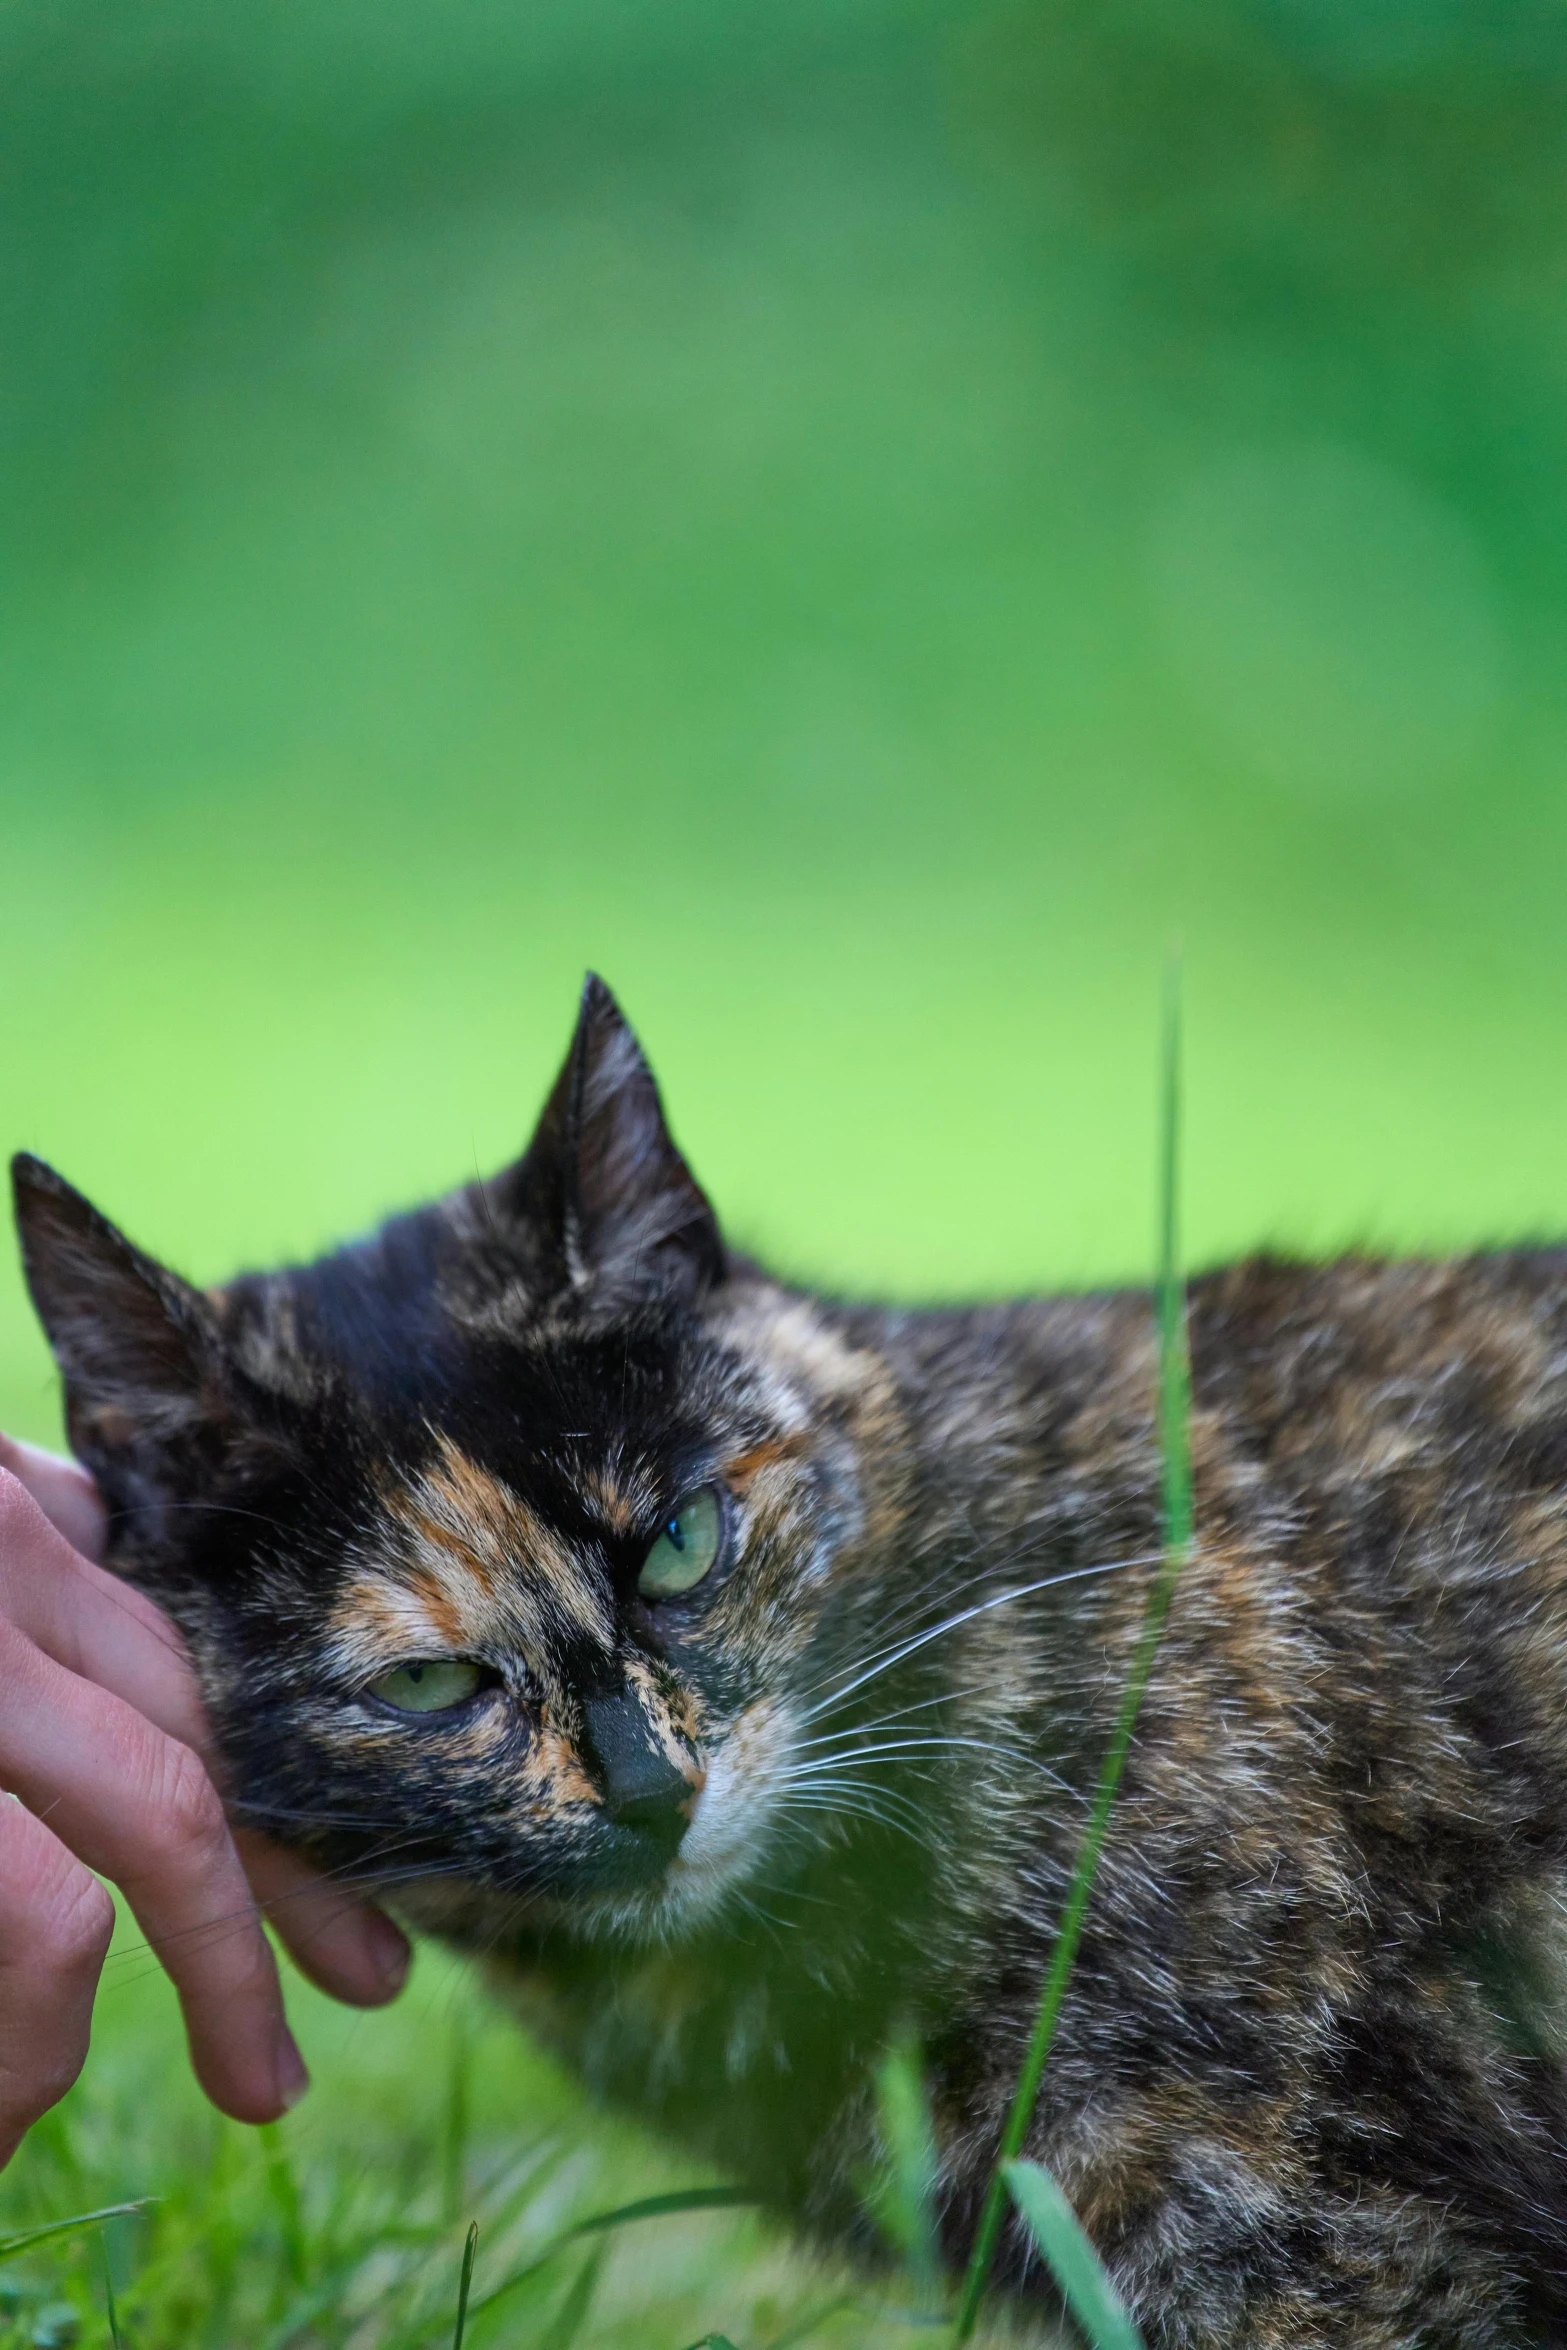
730, 1665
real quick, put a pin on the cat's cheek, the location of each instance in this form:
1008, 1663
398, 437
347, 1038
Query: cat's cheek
730, 1821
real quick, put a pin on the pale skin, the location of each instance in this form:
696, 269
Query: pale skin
105, 1750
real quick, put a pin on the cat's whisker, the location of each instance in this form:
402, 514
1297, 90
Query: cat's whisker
884, 1661
951, 1574
854, 1737
918, 1603
116, 1970
917, 1705
853, 1756
827, 1781
324, 1819
838, 1809
219, 1509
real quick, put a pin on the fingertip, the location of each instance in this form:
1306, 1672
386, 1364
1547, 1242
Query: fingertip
346, 1948
356, 1955
390, 1951
63, 1490
293, 2076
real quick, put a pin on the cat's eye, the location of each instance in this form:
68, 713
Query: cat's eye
687, 1548
433, 1687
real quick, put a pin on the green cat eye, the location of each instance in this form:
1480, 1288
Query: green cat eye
685, 1551
432, 1688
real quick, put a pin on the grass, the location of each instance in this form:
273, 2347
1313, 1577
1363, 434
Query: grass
1174, 1408
333, 2228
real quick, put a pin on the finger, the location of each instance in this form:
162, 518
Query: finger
341, 1943
63, 1491
101, 1630
55, 1924
89, 1621
139, 1808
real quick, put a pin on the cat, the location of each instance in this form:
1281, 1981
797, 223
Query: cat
729, 1666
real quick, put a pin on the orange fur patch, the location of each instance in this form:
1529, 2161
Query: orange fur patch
741, 1473
472, 1568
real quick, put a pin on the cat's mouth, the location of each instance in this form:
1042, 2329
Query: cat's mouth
654, 1879
720, 1843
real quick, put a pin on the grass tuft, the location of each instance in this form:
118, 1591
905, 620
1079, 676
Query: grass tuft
465, 2283
1174, 1408
1076, 2266
904, 2198
29, 2238
111, 2309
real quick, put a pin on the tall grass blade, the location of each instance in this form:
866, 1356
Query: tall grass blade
10, 2246
1174, 1410
905, 2195
801, 2329
1076, 2266
562, 2331
283, 2188
647, 2207
661, 2206
465, 2284
115, 2336
454, 2134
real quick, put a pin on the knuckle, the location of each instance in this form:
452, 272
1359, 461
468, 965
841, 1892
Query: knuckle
17, 1508
74, 1923
189, 1809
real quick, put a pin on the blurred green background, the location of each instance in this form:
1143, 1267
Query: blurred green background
857, 518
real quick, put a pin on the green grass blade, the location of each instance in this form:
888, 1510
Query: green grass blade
115, 2336
10, 2246
562, 2331
648, 2207
283, 2189
1075, 2265
713, 2342
905, 2197
454, 2134
661, 2206
1175, 1381
465, 2284
1176, 1494
801, 2329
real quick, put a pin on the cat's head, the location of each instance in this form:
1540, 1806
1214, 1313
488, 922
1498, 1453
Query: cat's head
516, 1544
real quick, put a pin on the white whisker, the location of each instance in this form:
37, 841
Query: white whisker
883, 1661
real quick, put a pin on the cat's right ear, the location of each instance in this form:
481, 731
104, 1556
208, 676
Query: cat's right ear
137, 1347
602, 1198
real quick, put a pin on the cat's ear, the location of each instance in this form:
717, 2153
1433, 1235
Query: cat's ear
137, 1347
607, 1200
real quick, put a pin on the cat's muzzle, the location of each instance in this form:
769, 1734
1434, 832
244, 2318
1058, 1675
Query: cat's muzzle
646, 1794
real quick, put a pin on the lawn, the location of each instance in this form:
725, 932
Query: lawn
345, 2224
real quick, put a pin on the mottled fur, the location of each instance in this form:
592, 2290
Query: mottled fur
1306, 2088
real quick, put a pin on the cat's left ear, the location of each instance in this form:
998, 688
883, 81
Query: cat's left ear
137, 1347
607, 1201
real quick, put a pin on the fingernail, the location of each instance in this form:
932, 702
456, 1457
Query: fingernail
292, 2078
388, 1948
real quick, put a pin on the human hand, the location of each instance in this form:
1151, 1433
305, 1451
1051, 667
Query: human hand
104, 1745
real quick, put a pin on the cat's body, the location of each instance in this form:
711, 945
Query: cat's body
723, 1842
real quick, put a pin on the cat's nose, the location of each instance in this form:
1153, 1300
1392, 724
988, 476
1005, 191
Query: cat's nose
642, 1788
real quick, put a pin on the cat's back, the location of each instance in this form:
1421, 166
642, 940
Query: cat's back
1363, 1385
1375, 1614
